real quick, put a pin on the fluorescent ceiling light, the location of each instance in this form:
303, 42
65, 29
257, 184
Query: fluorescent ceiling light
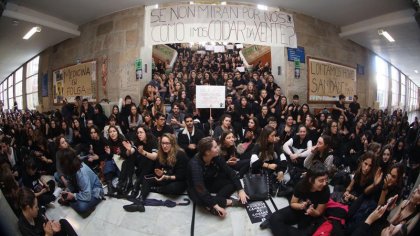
32, 32
262, 7
223, 3
191, 2
386, 35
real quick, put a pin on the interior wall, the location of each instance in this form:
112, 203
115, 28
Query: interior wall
121, 37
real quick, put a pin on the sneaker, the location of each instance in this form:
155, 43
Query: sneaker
265, 224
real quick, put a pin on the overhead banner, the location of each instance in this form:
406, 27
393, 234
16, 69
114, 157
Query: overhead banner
327, 80
206, 23
76, 80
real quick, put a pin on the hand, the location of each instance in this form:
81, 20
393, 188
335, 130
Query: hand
70, 196
311, 211
243, 196
222, 212
162, 178
280, 176
192, 146
376, 214
127, 145
56, 226
232, 161
304, 204
48, 228
140, 149
294, 157
90, 159
378, 177
159, 172
107, 150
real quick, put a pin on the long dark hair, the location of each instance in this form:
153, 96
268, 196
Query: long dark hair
69, 161
358, 173
226, 151
266, 148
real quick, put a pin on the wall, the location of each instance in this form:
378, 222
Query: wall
321, 40
120, 37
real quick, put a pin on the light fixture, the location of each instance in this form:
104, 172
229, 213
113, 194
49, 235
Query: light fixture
262, 7
191, 2
223, 3
32, 32
156, 6
416, 71
386, 35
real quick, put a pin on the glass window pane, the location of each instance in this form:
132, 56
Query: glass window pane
18, 75
19, 102
10, 104
10, 81
32, 67
10, 93
32, 101
32, 84
18, 89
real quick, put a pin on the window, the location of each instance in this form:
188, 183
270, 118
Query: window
2, 94
403, 91
18, 88
32, 83
382, 80
10, 92
413, 102
395, 86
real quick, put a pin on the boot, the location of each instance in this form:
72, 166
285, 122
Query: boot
136, 206
127, 186
111, 189
136, 190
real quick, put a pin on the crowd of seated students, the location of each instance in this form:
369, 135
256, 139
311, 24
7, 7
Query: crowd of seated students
149, 148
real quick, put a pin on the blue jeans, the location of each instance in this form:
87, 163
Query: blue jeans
85, 208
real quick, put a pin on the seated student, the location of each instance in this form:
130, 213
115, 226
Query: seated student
32, 222
112, 122
145, 156
161, 127
385, 159
321, 152
208, 173
12, 158
296, 149
403, 222
85, 190
96, 153
10, 187
286, 130
362, 182
31, 178
188, 138
225, 125
307, 205
170, 173
265, 159
176, 118
229, 153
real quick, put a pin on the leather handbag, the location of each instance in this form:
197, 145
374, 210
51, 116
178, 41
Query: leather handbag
256, 186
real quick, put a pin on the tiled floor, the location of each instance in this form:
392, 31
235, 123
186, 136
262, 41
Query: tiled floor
109, 218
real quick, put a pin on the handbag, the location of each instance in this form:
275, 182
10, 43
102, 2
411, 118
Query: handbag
256, 186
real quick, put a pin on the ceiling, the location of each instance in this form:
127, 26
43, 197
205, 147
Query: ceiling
359, 21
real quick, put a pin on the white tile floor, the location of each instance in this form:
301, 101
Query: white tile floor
109, 218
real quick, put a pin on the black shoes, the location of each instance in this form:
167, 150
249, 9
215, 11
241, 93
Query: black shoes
134, 207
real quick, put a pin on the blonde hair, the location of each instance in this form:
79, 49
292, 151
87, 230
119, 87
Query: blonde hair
170, 157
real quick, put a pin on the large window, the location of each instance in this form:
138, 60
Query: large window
403, 91
10, 91
382, 81
32, 83
413, 95
395, 86
18, 88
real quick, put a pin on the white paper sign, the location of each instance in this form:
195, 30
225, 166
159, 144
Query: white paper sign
219, 23
219, 48
210, 96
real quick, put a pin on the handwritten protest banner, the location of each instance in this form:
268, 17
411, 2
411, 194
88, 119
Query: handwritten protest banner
210, 96
230, 23
76, 80
327, 80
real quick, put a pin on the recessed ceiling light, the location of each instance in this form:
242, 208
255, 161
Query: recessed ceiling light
386, 35
32, 32
223, 3
416, 71
262, 7
191, 2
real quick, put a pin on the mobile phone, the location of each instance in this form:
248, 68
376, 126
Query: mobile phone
391, 202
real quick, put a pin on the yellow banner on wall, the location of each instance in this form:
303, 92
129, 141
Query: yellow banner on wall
327, 80
76, 80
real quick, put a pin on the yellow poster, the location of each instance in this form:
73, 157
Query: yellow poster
327, 80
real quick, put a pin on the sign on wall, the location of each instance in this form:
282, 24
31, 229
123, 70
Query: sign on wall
76, 80
327, 80
296, 54
210, 96
229, 23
